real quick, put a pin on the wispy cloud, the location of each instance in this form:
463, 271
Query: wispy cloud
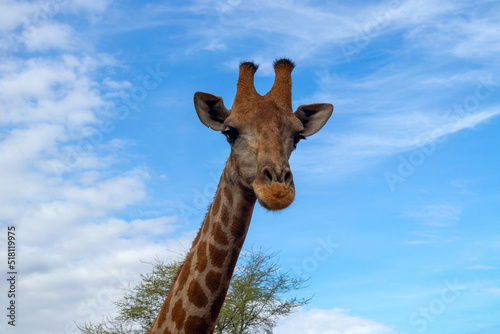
416, 242
481, 267
423, 239
322, 32
51, 36
471, 35
388, 115
439, 215
492, 291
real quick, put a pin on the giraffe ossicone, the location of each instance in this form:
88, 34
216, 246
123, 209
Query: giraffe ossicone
262, 131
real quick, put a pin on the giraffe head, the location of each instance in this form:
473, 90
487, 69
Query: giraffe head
263, 131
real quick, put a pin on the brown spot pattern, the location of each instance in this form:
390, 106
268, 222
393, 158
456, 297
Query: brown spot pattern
217, 256
178, 314
234, 259
216, 204
213, 280
220, 236
246, 209
238, 229
201, 254
227, 175
203, 226
224, 215
196, 295
216, 306
162, 317
229, 195
184, 274
175, 277
195, 324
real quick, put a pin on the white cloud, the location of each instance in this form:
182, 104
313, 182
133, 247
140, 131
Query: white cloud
424, 238
482, 38
481, 267
335, 155
440, 215
14, 13
305, 31
77, 254
79, 274
335, 321
33, 24
492, 291
416, 242
388, 115
91, 6
411, 13
110, 194
46, 90
74, 249
470, 35
51, 36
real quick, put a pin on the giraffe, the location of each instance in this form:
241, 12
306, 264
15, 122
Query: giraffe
262, 132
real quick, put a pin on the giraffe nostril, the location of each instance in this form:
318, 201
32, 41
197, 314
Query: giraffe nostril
288, 177
268, 175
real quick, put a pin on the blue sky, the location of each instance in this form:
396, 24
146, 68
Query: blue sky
105, 164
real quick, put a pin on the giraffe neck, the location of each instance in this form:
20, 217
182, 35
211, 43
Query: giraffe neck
197, 294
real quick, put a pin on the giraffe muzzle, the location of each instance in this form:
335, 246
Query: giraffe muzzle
274, 187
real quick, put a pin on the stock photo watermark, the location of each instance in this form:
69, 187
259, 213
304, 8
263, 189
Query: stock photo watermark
46, 11
369, 30
422, 318
11, 276
225, 6
408, 163
94, 137
323, 250
201, 198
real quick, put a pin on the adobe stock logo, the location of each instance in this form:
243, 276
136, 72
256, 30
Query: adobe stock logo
370, 30
408, 163
322, 251
424, 316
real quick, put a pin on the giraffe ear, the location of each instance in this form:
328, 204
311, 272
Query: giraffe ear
313, 117
211, 110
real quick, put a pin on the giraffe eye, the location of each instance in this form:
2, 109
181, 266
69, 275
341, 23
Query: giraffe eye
231, 135
296, 139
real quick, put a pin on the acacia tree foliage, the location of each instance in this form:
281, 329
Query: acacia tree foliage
258, 296
140, 305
